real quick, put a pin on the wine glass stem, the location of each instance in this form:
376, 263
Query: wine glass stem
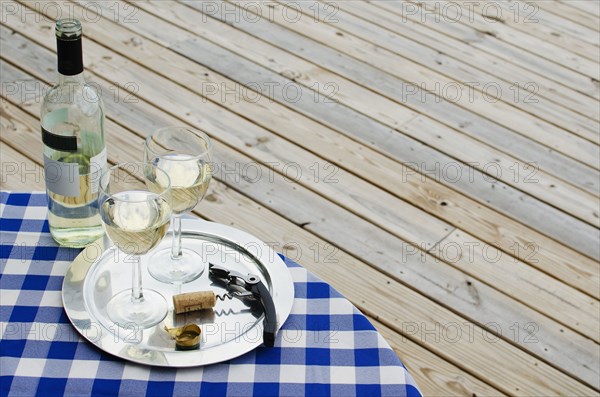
176, 247
136, 285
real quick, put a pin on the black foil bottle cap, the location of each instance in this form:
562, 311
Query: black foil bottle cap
68, 46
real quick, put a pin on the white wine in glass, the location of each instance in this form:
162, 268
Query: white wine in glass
136, 221
185, 155
135, 210
189, 177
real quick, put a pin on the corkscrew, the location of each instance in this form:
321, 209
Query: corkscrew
235, 294
248, 288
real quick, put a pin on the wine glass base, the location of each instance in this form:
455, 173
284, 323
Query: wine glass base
145, 313
165, 269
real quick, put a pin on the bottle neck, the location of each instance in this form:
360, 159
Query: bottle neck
75, 79
70, 57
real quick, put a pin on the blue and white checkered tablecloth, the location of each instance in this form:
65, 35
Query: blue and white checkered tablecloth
326, 347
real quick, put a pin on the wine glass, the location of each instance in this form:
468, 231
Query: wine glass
185, 154
135, 210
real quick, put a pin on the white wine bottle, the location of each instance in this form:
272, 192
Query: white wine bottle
72, 118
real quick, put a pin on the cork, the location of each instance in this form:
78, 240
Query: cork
192, 301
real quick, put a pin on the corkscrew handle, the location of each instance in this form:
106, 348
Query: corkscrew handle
257, 290
270, 323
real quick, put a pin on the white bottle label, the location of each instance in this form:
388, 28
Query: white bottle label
62, 178
97, 167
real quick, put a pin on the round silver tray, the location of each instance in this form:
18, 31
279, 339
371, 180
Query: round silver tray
228, 331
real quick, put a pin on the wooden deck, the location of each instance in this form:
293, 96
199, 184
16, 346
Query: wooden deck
438, 164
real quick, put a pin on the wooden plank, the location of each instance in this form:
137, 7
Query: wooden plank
538, 22
248, 73
203, 49
579, 55
409, 71
459, 70
546, 380
573, 14
579, 274
16, 170
591, 7
534, 186
451, 47
448, 114
243, 68
305, 73
494, 44
433, 278
435, 376
521, 282
309, 7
